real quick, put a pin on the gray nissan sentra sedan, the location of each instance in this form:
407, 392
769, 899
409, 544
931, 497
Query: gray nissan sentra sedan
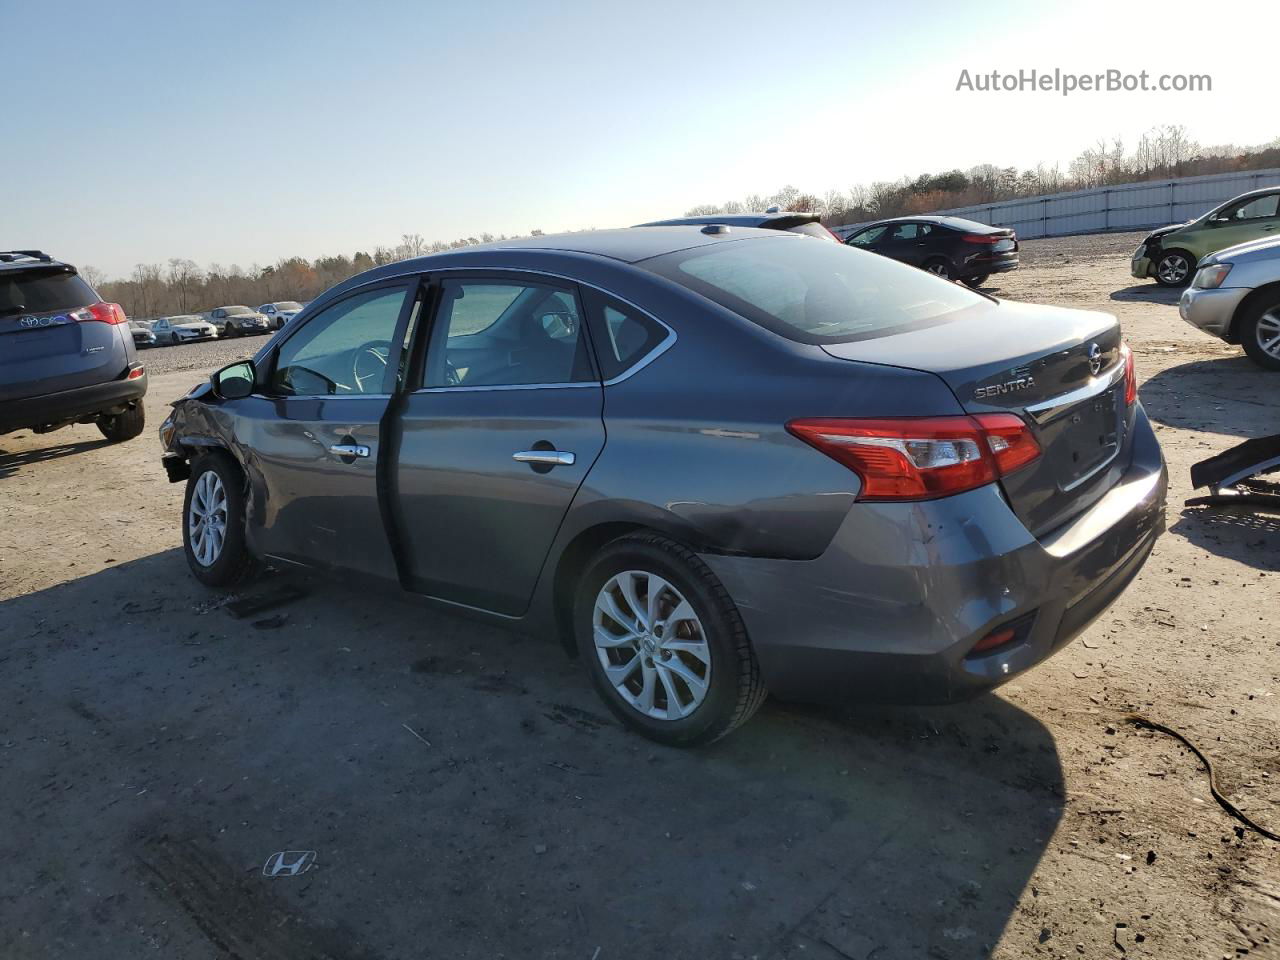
714, 461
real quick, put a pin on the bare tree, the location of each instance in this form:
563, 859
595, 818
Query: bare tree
184, 275
93, 276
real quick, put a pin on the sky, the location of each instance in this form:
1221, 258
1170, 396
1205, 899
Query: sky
243, 132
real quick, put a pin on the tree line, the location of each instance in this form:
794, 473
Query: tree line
1161, 153
183, 286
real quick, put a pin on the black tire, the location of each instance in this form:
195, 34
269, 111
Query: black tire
1250, 322
1175, 268
976, 282
233, 563
173, 339
939, 267
736, 688
120, 427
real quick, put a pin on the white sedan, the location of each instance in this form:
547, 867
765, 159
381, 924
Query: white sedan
280, 312
183, 328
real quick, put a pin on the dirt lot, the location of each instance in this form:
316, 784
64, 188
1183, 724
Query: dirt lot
467, 796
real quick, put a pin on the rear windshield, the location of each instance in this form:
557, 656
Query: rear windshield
41, 291
816, 292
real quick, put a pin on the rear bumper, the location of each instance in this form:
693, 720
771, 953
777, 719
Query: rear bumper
69, 405
1211, 310
892, 609
985, 264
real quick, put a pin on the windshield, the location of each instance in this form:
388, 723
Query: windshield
236, 311
816, 292
288, 305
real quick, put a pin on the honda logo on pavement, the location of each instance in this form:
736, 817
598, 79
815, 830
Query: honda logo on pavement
289, 863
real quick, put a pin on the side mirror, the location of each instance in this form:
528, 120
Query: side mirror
234, 381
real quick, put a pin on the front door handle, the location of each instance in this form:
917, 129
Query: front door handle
550, 458
349, 450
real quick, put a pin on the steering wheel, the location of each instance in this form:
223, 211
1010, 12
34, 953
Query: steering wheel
369, 365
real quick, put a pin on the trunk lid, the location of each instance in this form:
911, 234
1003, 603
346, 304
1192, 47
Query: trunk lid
1061, 370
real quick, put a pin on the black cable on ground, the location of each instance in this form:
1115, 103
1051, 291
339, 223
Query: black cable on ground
1140, 721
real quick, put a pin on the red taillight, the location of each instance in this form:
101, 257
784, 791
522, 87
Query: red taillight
135, 372
1130, 376
982, 238
922, 458
101, 312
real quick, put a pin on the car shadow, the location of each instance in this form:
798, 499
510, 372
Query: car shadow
1247, 534
1231, 396
1148, 293
464, 786
12, 459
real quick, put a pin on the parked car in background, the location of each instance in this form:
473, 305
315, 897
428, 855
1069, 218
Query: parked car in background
951, 247
280, 312
183, 328
1235, 295
143, 335
1171, 253
239, 321
809, 224
65, 356
920, 493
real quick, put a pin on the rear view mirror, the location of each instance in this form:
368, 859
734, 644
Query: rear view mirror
234, 381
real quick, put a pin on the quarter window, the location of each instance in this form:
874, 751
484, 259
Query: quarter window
342, 350
498, 333
622, 336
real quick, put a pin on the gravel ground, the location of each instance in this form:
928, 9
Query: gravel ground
467, 796
203, 355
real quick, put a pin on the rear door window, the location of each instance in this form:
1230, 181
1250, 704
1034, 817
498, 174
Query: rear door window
816, 292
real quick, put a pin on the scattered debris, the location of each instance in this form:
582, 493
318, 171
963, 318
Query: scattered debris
262, 602
273, 622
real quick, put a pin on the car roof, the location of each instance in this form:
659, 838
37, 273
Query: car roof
779, 220
956, 223
627, 244
31, 259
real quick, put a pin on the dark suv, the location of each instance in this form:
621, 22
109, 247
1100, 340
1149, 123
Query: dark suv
951, 247
65, 356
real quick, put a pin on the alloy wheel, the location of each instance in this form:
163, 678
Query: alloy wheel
939, 269
207, 518
1268, 332
1173, 269
651, 645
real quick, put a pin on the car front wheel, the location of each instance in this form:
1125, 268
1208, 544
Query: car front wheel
665, 645
213, 515
1260, 334
1174, 269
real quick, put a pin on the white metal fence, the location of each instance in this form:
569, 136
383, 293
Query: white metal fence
1128, 206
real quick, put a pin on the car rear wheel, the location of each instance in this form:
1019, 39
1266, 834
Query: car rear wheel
213, 514
666, 647
977, 281
939, 268
120, 427
1260, 334
1174, 268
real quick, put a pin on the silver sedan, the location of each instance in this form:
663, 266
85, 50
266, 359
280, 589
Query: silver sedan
1236, 297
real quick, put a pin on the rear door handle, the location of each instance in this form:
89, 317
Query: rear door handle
552, 458
349, 450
